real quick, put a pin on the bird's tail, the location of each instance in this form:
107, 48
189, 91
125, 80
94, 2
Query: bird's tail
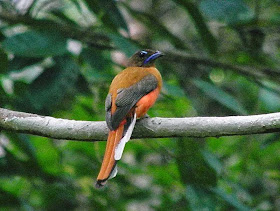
114, 149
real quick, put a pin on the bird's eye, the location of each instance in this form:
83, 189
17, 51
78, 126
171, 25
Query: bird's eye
142, 53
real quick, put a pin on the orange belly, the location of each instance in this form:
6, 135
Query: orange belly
146, 102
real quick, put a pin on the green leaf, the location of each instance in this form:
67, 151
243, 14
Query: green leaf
23, 143
52, 88
18, 63
268, 98
97, 59
8, 200
100, 65
108, 12
194, 169
212, 160
207, 38
36, 44
60, 15
3, 61
152, 22
232, 200
77, 5
11, 165
47, 155
228, 11
3, 95
221, 96
173, 90
60, 196
199, 198
2, 36
124, 44
270, 140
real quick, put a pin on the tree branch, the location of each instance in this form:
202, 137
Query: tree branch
145, 128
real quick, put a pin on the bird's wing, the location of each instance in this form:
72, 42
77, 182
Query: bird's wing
127, 98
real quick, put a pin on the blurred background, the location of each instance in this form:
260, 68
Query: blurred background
58, 58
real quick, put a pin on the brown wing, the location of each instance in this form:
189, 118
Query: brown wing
127, 98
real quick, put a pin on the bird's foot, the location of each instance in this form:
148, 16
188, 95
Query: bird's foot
146, 116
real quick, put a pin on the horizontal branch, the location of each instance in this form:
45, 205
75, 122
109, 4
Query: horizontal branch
145, 128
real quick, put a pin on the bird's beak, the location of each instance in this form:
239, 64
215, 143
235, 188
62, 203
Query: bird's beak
156, 55
153, 57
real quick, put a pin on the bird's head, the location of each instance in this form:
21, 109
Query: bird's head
144, 58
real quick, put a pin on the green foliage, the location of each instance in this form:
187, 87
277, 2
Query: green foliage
122, 43
158, 27
200, 199
218, 94
36, 44
8, 200
193, 167
232, 12
206, 36
232, 200
51, 88
3, 61
58, 59
108, 12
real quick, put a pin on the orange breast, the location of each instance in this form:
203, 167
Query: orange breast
146, 102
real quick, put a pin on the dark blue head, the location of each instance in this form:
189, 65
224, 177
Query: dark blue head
144, 58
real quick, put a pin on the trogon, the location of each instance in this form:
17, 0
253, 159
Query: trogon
132, 92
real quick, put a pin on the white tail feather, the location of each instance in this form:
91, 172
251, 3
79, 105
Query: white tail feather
114, 172
120, 147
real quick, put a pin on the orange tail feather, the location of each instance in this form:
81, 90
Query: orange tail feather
109, 162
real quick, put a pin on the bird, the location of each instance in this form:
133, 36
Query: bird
132, 92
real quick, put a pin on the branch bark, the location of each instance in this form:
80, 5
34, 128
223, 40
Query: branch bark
145, 128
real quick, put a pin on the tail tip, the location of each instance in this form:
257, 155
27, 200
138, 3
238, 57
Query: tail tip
100, 183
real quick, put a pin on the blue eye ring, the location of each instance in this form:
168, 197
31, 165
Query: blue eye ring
143, 53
